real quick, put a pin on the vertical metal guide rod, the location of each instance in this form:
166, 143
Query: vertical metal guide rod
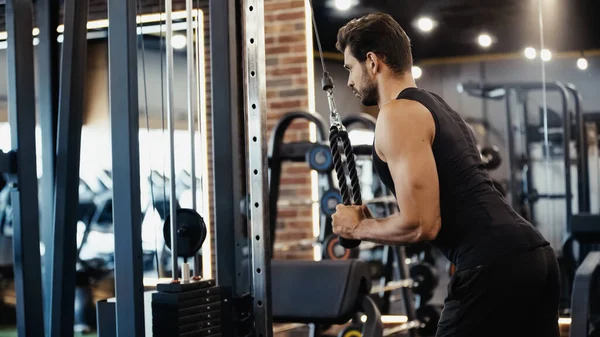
23, 180
192, 103
48, 84
171, 127
256, 140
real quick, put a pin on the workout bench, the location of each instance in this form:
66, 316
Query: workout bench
323, 292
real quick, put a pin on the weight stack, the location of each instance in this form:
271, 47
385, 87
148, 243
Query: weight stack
187, 309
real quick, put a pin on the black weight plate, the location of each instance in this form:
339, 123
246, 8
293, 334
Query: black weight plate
191, 232
426, 278
320, 159
491, 157
329, 201
429, 316
333, 250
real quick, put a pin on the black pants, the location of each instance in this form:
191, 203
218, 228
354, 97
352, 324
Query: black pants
514, 296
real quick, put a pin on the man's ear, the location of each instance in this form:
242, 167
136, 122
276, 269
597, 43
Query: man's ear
373, 62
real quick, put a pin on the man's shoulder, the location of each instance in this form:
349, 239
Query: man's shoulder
405, 116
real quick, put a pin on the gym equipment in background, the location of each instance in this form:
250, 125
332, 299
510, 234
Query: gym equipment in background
563, 128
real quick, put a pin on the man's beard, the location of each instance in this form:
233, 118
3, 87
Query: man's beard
369, 94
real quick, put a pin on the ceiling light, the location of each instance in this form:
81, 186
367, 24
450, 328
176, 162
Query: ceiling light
546, 55
416, 72
530, 53
582, 63
35, 31
343, 5
484, 40
425, 24
178, 41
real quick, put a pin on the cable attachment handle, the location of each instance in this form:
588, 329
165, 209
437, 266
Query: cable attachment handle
345, 167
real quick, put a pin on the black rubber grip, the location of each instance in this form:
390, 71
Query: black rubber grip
334, 136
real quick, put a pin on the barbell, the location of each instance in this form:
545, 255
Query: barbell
423, 281
427, 319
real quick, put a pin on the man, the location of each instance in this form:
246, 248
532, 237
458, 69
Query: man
507, 278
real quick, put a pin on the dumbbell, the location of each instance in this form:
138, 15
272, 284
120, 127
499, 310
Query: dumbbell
491, 157
426, 279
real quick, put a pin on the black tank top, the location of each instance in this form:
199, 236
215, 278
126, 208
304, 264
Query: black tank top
477, 224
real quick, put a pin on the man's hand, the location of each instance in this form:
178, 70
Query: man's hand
347, 219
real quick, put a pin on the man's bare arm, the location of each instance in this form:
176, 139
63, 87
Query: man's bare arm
405, 133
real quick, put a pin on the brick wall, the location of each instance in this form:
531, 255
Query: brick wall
288, 72
287, 90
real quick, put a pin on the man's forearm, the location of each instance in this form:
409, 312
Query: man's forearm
393, 230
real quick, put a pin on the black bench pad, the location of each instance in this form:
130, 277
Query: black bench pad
326, 292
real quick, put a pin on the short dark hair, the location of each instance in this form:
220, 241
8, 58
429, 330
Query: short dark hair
378, 33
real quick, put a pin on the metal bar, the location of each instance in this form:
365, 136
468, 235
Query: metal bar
70, 120
581, 301
511, 152
583, 174
48, 83
393, 285
24, 192
562, 91
407, 295
191, 84
287, 327
409, 326
124, 116
387, 277
529, 173
567, 153
228, 154
256, 121
171, 128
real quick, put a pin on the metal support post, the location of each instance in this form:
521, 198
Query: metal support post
253, 38
48, 78
522, 96
513, 186
229, 176
24, 191
64, 248
124, 116
583, 168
